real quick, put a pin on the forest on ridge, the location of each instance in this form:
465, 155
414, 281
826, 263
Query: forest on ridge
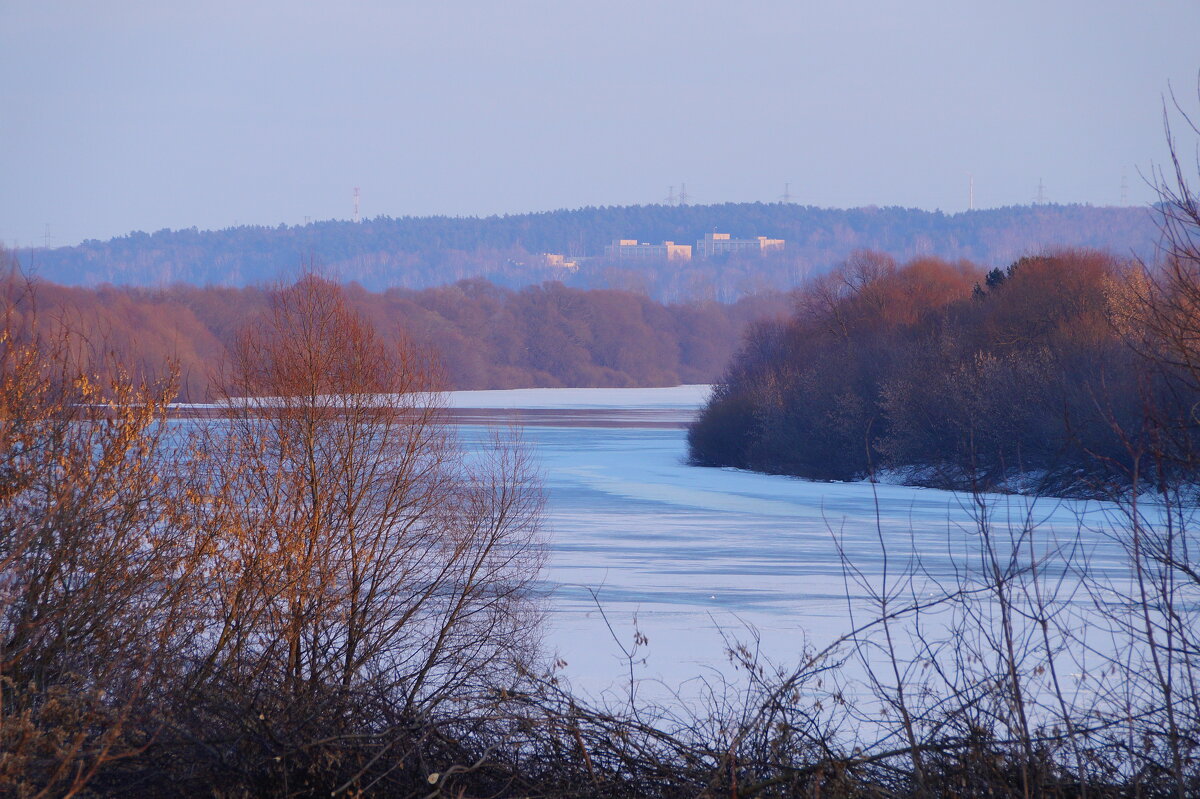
423, 252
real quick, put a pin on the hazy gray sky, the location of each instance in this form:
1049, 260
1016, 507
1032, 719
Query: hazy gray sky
121, 116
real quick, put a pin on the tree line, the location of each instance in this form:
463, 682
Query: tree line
484, 336
421, 252
950, 375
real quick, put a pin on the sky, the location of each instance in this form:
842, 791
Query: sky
123, 115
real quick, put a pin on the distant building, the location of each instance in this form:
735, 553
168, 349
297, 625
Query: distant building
631, 250
560, 261
720, 243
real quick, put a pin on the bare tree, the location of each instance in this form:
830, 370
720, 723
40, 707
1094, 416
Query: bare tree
368, 574
94, 568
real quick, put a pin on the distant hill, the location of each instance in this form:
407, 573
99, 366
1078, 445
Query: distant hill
419, 252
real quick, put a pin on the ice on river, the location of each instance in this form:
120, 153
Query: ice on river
689, 397
690, 552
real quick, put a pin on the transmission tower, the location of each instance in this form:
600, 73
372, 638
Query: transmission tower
670, 195
786, 197
683, 195
1040, 199
356, 203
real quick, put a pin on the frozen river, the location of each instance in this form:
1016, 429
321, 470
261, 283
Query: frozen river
635, 533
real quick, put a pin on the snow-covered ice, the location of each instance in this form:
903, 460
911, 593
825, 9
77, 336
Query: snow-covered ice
634, 532
569, 398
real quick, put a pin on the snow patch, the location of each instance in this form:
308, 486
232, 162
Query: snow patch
687, 397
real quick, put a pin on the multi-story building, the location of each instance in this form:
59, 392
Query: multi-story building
631, 250
721, 243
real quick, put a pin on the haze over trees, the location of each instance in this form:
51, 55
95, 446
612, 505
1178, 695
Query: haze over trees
384, 253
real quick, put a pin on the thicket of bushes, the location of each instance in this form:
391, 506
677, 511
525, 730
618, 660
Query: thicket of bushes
263, 601
961, 378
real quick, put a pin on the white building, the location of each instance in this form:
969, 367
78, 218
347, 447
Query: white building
560, 261
720, 243
631, 250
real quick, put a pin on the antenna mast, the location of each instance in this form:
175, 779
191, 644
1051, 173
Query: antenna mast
970, 192
1041, 193
356, 203
1124, 188
787, 193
